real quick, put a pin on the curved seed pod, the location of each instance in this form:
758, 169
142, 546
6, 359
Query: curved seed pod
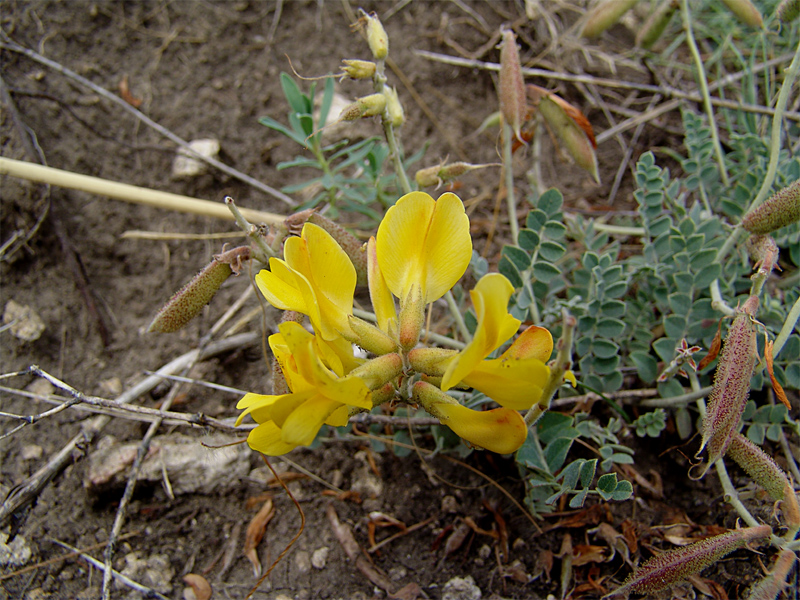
604, 15
512, 87
671, 567
780, 210
788, 10
190, 300
656, 24
759, 465
775, 581
731, 383
745, 11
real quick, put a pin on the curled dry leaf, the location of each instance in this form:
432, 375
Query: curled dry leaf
199, 585
255, 533
771, 370
125, 93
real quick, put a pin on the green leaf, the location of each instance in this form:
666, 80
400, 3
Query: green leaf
327, 102
622, 491
609, 328
680, 303
554, 425
570, 475
606, 484
528, 239
556, 452
587, 472
536, 219
273, 124
530, 456
545, 271
550, 202
613, 308
507, 268
519, 257
603, 348
578, 499
675, 325
555, 230
684, 281
646, 365
551, 251
297, 100
707, 274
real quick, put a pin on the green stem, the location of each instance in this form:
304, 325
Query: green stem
379, 83
677, 400
440, 339
511, 201
786, 330
262, 251
703, 82
455, 311
620, 230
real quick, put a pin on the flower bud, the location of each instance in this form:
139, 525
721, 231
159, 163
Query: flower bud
758, 465
745, 11
394, 110
512, 88
411, 318
431, 361
370, 337
788, 10
604, 15
376, 37
656, 24
358, 69
763, 252
368, 106
379, 371
190, 300
731, 383
778, 211
673, 566
440, 174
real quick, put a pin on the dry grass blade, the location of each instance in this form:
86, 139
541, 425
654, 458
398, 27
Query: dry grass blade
255, 533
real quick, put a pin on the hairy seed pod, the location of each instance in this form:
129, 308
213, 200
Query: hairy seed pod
673, 566
788, 10
731, 383
604, 15
758, 465
773, 584
368, 106
394, 110
444, 173
763, 252
512, 87
745, 11
358, 69
376, 37
190, 300
656, 24
778, 211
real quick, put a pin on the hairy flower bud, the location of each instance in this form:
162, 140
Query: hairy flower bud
190, 300
731, 383
788, 10
512, 87
379, 371
358, 69
656, 24
673, 566
778, 211
604, 15
758, 465
370, 337
763, 252
394, 110
368, 106
376, 37
745, 11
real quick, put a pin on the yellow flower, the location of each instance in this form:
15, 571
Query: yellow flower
318, 394
500, 430
515, 380
316, 279
424, 245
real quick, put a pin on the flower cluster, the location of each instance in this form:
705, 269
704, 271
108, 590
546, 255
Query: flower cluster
422, 248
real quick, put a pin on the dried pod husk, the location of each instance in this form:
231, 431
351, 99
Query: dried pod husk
778, 211
570, 125
675, 565
352, 246
775, 581
512, 87
604, 15
186, 304
763, 252
368, 106
394, 110
745, 11
788, 10
441, 174
656, 23
352, 68
758, 465
731, 383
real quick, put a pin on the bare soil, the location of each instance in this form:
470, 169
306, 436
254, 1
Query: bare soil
211, 69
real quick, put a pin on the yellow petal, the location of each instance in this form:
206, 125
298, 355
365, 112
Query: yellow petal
254, 402
514, 383
381, 297
279, 286
425, 242
500, 430
339, 417
534, 342
303, 424
332, 272
267, 439
495, 325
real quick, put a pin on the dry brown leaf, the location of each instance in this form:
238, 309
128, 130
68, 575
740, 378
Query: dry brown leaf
125, 93
771, 370
199, 585
255, 533
586, 553
713, 351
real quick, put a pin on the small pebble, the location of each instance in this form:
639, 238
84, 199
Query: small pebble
303, 561
320, 557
